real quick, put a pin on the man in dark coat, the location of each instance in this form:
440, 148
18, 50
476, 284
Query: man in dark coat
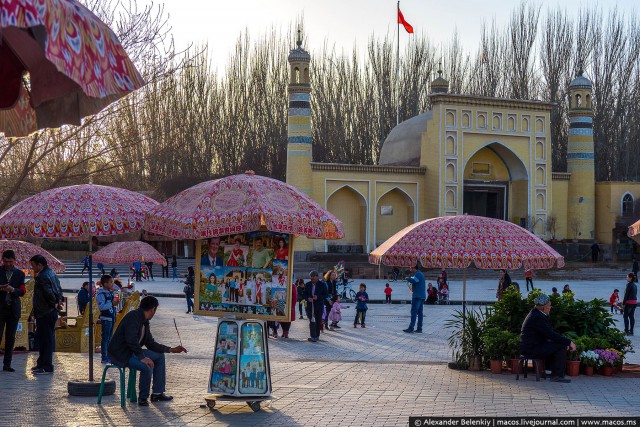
538, 340
47, 300
11, 289
315, 292
125, 350
595, 251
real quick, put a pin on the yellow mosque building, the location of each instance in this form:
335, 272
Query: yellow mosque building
468, 154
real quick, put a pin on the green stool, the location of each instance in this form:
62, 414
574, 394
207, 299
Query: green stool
131, 389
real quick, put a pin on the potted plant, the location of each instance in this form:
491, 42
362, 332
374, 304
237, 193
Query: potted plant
496, 346
573, 359
590, 359
608, 358
514, 352
466, 338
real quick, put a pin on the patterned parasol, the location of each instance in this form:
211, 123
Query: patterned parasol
25, 250
458, 241
75, 63
76, 212
239, 204
126, 252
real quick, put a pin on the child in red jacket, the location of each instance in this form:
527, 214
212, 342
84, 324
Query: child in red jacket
614, 300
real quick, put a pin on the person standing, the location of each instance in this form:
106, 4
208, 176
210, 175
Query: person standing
189, 288
331, 279
125, 350
538, 340
528, 277
150, 269
315, 293
85, 264
165, 267
595, 251
83, 297
417, 300
300, 293
11, 289
174, 268
361, 306
503, 284
387, 293
47, 300
630, 302
106, 302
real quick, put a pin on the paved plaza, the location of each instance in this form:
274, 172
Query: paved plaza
374, 376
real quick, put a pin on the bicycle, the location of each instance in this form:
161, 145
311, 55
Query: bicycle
346, 293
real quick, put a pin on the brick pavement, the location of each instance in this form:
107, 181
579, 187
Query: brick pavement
376, 376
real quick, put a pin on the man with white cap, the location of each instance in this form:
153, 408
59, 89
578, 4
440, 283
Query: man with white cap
538, 340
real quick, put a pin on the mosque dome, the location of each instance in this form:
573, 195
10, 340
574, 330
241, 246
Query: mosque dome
580, 82
299, 54
440, 84
403, 144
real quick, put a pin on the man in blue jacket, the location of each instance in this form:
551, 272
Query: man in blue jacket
417, 301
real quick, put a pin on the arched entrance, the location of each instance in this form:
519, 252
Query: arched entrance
395, 210
496, 184
351, 208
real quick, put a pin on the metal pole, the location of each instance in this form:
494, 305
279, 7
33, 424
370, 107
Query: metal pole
91, 287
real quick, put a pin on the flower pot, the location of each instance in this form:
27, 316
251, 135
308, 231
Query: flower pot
607, 371
475, 363
496, 366
573, 368
588, 371
515, 366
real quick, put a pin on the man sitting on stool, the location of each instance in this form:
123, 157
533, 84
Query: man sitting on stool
125, 350
538, 340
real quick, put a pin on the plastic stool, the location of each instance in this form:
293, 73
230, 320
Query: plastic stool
538, 366
131, 387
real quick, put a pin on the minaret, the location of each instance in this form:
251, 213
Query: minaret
299, 147
580, 161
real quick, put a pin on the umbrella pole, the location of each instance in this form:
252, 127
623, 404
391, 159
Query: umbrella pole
464, 297
91, 343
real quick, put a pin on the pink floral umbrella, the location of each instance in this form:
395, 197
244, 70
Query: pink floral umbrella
75, 63
458, 241
126, 252
76, 212
25, 250
239, 204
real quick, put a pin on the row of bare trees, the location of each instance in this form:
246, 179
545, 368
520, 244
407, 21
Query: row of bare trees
193, 122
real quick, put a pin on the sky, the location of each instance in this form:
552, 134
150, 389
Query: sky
345, 23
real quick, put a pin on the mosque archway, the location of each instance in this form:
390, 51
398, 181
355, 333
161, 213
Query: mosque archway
395, 210
351, 208
496, 184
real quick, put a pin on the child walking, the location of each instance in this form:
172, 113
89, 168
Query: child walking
387, 293
614, 300
335, 315
361, 308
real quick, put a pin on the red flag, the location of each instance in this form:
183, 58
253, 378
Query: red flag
406, 25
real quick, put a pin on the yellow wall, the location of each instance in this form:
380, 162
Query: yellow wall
388, 225
560, 195
608, 206
350, 208
497, 170
518, 198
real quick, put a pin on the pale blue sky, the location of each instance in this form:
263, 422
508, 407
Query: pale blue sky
344, 23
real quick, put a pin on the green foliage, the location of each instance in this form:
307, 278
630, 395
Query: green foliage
466, 335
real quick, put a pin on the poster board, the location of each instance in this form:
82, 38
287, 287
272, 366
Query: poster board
247, 275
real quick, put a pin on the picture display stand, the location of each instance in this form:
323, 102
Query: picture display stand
245, 279
240, 369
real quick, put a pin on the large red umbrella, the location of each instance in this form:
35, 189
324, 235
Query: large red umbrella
58, 56
462, 240
125, 252
77, 212
25, 250
240, 204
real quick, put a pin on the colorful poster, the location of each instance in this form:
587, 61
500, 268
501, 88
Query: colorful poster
245, 274
253, 374
224, 365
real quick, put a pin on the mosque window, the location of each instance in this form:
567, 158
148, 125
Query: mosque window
627, 205
578, 101
297, 75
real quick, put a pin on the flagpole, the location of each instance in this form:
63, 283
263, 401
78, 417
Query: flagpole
398, 67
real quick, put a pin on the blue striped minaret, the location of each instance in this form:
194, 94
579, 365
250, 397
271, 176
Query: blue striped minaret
580, 161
